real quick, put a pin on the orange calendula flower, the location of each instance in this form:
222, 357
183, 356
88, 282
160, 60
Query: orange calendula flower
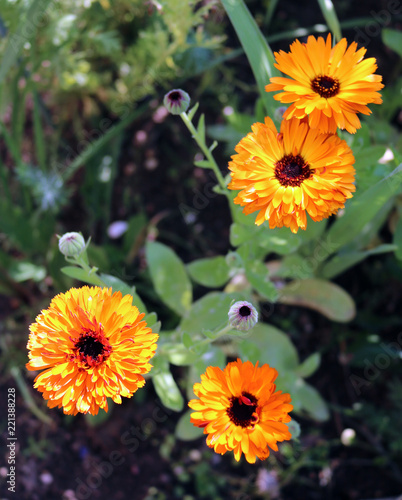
329, 85
92, 345
292, 173
240, 410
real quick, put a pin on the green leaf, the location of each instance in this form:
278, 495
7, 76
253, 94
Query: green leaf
209, 312
393, 39
212, 272
185, 430
258, 276
273, 347
100, 418
309, 365
328, 11
323, 296
179, 355
201, 127
169, 277
344, 260
240, 234
279, 240
258, 52
23, 271
398, 239
81, 275
311, 401
213, 357
120, 286
203, 164
193, 111
363, 208
167, 390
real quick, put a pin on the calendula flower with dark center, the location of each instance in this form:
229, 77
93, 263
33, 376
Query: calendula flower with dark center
92, 345
286, 175
241, 411
329, 85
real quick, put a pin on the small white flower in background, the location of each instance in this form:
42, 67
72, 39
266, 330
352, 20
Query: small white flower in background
243, 316
348, 436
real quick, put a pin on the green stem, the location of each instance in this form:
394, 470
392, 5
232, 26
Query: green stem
29, 401
221, 333
199, 140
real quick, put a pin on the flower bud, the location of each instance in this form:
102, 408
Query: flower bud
243, 316
176, 101
71, 244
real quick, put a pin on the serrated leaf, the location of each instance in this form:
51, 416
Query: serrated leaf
185, 430
212, 272
323, 296
169, 277
167, 390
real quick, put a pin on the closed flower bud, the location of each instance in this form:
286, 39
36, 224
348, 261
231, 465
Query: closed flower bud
71, 244
243, 316
176, 101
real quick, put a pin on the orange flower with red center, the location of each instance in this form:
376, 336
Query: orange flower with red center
240, 410
328, 84
287, 175
91, 345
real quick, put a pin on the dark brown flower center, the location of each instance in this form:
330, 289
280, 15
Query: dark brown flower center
292, 170
325, 86
92, 348
242, 410
244, 311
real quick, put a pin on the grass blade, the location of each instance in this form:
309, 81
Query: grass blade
255, 46
328, 11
